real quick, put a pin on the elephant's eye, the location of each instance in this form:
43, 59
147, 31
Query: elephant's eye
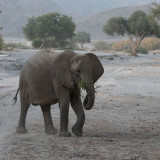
78, 71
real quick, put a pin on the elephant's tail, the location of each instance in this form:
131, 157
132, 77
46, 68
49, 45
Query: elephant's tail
15, 97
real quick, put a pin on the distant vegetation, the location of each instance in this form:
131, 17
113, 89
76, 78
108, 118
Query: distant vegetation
52, 29
125, 46
1, 40
82, 38
0, 13
148, 44
102, 46
137, 27
13, 45
151, 44
155, 11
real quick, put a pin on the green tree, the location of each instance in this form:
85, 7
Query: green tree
137, 27
30, 29
155, 10
82, 38
1, 40
0, 13
53, 27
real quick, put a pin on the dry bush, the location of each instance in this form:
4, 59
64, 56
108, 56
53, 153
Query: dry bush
151, 44
122, 46
148, 44
102, 46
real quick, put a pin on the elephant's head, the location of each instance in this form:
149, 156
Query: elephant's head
86, 69
81, 68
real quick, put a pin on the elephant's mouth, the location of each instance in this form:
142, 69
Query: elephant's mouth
76, 81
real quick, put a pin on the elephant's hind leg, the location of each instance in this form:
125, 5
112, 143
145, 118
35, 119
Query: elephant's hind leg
49, 128
24, 98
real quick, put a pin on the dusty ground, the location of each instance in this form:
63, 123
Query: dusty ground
124, 124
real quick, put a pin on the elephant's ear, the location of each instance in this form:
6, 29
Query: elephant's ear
61, 69
98, 69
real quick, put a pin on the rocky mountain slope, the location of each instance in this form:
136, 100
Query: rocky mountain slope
16, 12
94, 24
83, 8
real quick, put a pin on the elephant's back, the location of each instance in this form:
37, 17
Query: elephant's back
41, 59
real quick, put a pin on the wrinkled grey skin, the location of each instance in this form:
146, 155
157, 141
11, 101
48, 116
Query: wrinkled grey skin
48, 78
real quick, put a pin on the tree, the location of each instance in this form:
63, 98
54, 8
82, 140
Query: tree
30, 29
1, 40
0, 13
137, 27
82, 37
53, 27
155, 11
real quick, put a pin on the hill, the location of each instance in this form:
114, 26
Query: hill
15, 14
80, 9
94, 24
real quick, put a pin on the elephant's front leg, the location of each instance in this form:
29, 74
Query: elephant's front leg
64, 111
64, 100
63, 96
78, 109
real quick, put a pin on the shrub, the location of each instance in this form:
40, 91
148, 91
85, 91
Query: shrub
111, 58
127, 47
142, 50
14, 45
148, 44
71, 46
1, 42
101, 46
36, 43
122, 46
151, 44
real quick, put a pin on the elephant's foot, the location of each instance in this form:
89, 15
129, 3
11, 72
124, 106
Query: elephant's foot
51, 131
77, 131
21, 130
65, 134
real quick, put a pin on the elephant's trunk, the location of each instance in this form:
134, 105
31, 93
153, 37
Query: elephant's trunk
90, 97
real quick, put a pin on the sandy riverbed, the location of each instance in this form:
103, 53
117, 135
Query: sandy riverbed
124, 124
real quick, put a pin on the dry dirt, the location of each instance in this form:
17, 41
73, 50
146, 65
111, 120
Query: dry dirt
124, 124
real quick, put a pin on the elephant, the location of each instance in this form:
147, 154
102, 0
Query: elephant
48, 78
